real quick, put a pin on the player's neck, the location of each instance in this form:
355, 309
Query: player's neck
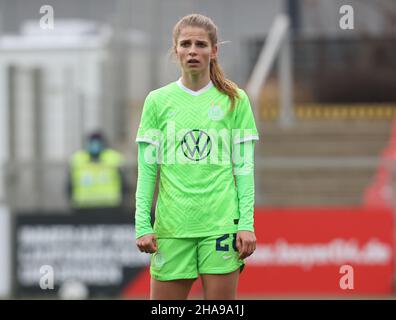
195, 82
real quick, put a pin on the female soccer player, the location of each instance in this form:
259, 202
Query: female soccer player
201, 131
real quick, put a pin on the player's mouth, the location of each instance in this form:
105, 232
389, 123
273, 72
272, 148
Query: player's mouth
192, 61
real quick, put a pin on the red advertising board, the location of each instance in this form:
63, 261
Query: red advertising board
313, 251
320, 251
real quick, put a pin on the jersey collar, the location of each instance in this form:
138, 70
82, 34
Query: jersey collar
192, 92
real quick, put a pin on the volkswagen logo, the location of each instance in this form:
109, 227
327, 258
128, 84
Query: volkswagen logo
196, 145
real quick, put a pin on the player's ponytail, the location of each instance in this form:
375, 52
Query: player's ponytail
221, 83
216, 73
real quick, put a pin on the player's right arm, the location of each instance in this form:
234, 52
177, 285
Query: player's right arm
147, 175
147, 139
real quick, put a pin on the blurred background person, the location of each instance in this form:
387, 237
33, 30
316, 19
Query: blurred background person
95, 178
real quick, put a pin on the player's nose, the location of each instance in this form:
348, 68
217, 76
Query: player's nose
192, 51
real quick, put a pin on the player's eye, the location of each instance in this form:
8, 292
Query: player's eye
184, 44
201, 44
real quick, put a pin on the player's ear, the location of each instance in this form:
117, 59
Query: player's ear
174, 49
174, 54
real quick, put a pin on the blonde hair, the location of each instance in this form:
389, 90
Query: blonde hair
216, 73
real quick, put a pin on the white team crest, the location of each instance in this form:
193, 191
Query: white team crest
170, 113
159, 260
216, 113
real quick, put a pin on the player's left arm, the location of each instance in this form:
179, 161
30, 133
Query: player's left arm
244, 176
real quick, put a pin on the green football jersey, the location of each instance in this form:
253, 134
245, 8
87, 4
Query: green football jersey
196, 136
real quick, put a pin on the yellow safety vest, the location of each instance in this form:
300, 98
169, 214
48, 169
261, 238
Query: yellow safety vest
96, 184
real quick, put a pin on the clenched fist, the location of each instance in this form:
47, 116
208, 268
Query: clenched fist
245, 243
147, 243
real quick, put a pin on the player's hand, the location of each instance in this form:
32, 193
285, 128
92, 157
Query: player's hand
245, 243
147, 243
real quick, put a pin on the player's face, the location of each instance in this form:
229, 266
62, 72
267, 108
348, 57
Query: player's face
194, 50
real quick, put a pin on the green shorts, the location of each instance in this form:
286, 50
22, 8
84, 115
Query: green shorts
186, 258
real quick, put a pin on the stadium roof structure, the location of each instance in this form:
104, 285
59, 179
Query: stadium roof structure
67, 34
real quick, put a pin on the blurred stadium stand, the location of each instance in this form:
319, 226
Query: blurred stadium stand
319, 162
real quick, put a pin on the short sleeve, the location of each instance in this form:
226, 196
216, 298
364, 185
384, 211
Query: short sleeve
244, 128
148, 127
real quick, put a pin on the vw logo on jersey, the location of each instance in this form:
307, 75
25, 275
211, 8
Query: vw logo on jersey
196, 144
216, 113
